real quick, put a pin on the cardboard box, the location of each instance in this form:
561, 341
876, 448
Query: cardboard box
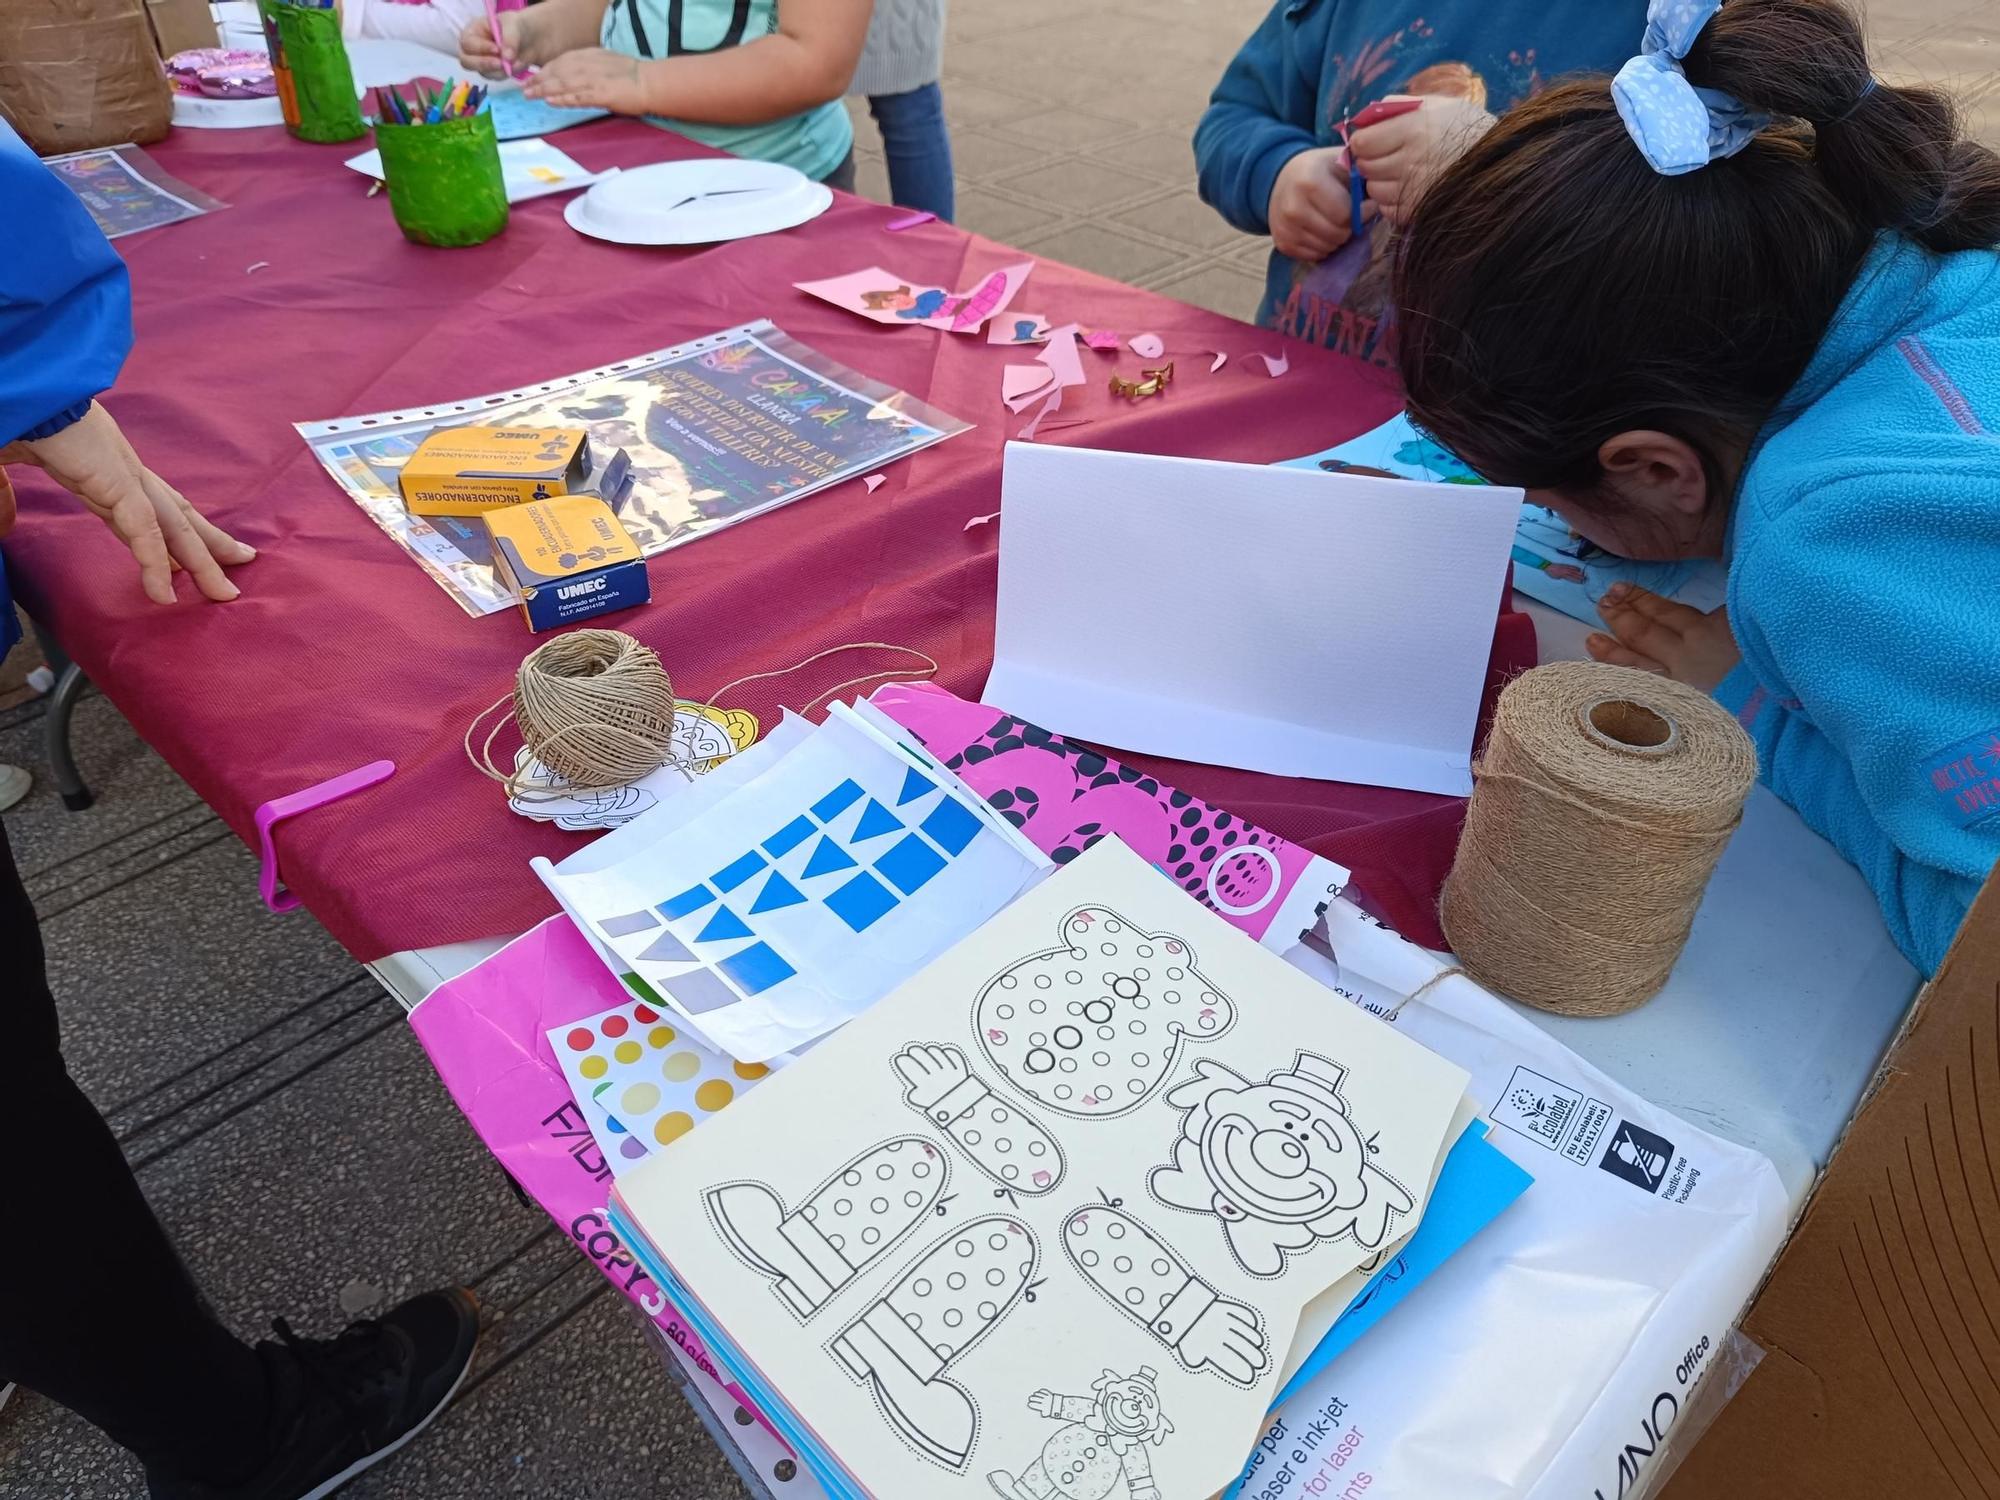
468, 471
181, 25
1880, 1322
568, 558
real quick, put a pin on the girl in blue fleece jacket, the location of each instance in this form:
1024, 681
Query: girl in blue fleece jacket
1741, 302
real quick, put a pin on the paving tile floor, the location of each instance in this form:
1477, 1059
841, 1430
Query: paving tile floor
275, 1104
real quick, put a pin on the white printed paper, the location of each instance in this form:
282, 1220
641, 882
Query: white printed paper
1047, 1215
529, 169
1304, 624
1549, 1357
802, 895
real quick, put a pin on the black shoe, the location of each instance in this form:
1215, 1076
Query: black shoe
351, 1401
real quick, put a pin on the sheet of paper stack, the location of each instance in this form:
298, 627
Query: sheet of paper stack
1045, 1219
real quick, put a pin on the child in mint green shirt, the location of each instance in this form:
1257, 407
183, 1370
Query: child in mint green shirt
757, 78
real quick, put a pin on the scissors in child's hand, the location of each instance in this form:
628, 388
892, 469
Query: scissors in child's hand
1357, 182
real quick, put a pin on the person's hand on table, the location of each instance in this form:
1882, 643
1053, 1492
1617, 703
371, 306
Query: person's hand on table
591, 78
92, 460
1658, 635
1401, 155
1310, 205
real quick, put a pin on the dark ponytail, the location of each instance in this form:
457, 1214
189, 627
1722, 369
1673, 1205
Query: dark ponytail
1554, 290
1896, 157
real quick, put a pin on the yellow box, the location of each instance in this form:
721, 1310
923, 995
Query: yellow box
568, 558
467, 471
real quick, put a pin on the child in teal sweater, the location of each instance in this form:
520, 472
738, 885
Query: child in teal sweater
1742, 302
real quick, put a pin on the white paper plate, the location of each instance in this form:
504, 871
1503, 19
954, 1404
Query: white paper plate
697, 202
202, 113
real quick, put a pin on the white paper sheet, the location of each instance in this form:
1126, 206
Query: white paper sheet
529, 169
1545, 1360
1074, 1181
797, 900
1305, 624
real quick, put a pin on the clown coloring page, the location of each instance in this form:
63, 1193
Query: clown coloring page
1150, 1147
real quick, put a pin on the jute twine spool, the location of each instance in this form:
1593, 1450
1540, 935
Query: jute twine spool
594, 706
1604, 798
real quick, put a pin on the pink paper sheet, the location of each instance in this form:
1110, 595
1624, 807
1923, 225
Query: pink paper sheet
1021, 384
1061, 355
1064, 796
485, 1032
885, 297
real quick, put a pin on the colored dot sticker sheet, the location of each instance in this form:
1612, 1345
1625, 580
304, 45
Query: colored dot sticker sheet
834, 865
1044, 1221
643, 1081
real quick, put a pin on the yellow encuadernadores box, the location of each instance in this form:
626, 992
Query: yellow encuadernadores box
568, 558
467, 471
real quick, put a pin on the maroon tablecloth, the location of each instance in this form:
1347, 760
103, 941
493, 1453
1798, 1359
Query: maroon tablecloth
301, 301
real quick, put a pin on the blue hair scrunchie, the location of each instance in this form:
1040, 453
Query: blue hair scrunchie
1677, 127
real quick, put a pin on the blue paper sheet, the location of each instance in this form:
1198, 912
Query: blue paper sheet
516, 115
1479, 1180
1551, 563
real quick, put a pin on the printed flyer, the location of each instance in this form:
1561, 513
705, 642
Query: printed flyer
717, 430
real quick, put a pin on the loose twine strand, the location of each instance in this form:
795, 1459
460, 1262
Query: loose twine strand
596, 707
1586, 851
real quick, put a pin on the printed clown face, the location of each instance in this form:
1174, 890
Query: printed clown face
1279, 1163
1130, 1407
1093, 1028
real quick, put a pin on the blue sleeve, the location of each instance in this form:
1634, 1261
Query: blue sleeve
1263, 113
65, 302
1864, 681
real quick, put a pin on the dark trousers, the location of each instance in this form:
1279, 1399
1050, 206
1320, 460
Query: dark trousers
96, 1310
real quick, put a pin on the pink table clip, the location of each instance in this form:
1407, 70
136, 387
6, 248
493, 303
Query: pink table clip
291, 805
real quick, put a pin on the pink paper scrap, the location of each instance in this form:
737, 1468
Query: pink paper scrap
1060, 355
1148, 346
1277, 363
1221, 359
1018, 328
981, 520
1022, 384
909, 221
1054, 403
875, 482
1101, 339
884, 297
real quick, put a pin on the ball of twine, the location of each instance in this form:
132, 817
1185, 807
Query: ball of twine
1605, 796
595, 706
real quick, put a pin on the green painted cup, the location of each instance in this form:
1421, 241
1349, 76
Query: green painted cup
445, 185
315, 82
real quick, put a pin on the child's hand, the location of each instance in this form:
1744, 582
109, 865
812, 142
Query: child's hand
1658, 635
1310, 205
1401, 155
591, 78
477, 52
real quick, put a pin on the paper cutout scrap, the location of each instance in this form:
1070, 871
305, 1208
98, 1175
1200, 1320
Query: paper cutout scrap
1221, 359
1022, 384
1277, 363
875, 482
982, 520
1054, 403
1061, 356
1019, 328
910, 220
1102, 339
885, 297
1148, 346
